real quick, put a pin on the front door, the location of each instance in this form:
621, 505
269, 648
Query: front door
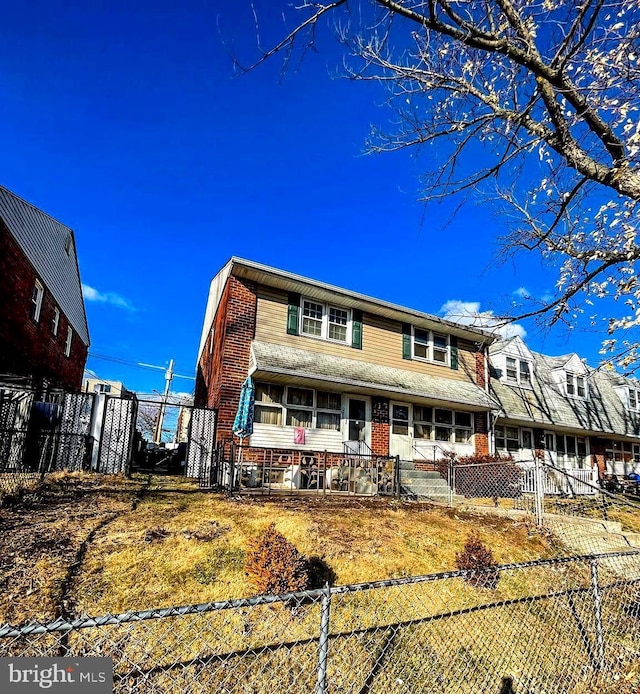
356, 431
527, 448
550, 455
401, 435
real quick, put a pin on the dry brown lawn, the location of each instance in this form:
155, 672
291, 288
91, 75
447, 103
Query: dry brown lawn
91, 544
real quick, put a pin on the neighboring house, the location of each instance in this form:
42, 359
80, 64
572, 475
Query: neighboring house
559, 408
43, 326
99, 385
335, 370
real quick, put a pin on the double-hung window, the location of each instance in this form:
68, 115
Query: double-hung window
430, 346
297, 407
525, 373
518, 371
67, 345
576, 386
571, 450
634, 398
507, 438
268, 404
36, 301
55, 322
435, 424
325, 321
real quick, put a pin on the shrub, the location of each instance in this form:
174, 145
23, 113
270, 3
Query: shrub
477, 558
274, 565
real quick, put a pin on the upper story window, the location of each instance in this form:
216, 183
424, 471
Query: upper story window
67, 345
576, 386
634, 398
55, 322
102, 388
325, 321
36, 301
430, 346
518, 371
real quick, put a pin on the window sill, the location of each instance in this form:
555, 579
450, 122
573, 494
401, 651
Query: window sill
319, 338
431, 361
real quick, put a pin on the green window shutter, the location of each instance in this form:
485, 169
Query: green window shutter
356, 329
406, 341
292, 313
453, 343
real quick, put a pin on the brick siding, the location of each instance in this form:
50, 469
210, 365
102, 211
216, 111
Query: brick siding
224, 364
481, 437
30, 348
380, 426
481, 372
597, 447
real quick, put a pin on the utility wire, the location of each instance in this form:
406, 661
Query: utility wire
135, 364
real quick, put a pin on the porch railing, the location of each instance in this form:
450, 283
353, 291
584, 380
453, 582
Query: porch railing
270, 470
565, 482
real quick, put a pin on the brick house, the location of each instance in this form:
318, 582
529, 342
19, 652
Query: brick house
43, 324
339, 371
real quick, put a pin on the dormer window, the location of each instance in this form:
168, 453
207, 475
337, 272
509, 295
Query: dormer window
576, 386
634, 398
518, 371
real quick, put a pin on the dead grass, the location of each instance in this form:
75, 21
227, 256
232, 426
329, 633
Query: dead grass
169, 544
147, 543
94, 546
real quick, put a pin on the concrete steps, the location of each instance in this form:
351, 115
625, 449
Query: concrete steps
422, 484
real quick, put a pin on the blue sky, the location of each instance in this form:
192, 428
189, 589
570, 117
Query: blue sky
127, 122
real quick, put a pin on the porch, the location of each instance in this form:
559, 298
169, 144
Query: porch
265, 471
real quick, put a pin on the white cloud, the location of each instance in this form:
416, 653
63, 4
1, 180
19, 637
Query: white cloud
469, 313
522, 293
91, 294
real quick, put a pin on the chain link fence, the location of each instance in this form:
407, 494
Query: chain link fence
565, 625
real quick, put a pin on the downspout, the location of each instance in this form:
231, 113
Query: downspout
490, 425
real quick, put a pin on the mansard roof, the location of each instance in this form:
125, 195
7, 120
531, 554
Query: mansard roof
545, 403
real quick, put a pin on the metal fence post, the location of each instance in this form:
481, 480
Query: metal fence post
539, 491
597, 608
452, 482
323, 641
232, 467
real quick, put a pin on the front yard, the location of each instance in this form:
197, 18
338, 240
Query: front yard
91, 544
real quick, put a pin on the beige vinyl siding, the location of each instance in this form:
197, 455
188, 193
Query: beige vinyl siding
381, 340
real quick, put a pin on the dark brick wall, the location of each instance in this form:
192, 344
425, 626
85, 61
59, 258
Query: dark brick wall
481, 372
597, 447
380, 426
481, 437
224, 365
29, 348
